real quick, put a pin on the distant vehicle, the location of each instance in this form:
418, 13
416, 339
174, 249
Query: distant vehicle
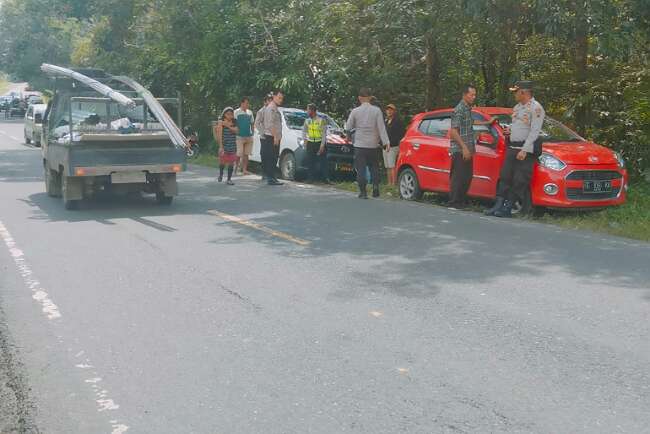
5, 102
34, 123
292, 162
91, 143
34, 99
18, 108
571, 172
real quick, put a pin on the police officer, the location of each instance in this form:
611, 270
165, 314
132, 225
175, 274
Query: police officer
523, 148
367, 121
269, 125
314, 134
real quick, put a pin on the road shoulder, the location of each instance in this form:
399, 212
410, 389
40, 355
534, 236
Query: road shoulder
16, 407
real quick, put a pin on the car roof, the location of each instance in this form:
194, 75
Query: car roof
485, 110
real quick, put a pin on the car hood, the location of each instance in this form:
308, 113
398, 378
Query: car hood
581, 153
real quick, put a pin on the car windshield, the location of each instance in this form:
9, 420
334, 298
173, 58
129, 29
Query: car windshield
296, 119
552, 130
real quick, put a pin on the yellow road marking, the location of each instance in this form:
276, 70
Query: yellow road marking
259, 227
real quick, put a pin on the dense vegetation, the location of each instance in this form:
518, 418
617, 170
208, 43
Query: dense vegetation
589, 57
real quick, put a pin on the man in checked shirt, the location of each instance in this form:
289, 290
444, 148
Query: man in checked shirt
463, 147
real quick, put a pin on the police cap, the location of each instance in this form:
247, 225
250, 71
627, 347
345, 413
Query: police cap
522, 84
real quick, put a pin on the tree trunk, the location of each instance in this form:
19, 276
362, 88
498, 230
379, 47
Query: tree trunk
581, 51
433, 95
488, 70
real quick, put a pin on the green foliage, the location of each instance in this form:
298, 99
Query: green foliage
588, 57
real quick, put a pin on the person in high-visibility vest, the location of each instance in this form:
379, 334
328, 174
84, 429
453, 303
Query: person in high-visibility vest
314, 134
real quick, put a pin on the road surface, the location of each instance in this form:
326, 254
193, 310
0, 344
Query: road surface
294, 309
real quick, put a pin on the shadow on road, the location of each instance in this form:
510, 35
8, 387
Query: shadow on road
411, 250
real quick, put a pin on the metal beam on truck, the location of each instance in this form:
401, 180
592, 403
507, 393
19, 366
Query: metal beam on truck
58, 71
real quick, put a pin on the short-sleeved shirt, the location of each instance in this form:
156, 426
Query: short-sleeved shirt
368, 123
462, 120
527, 121
269, 121
244, 121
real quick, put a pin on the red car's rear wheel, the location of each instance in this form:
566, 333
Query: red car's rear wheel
409, 187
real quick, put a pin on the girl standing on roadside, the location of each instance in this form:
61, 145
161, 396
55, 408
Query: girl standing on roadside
225, 133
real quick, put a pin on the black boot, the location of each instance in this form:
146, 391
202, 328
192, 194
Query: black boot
362, 192
375, 190
505, 211
498, 203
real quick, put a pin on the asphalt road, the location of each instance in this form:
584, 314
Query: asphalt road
294, 309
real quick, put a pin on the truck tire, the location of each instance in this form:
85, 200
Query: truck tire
69, 204
162, 199
52, 182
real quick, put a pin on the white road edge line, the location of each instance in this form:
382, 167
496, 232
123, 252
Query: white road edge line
38, 293
52, 312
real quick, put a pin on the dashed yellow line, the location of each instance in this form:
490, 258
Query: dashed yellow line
259, 227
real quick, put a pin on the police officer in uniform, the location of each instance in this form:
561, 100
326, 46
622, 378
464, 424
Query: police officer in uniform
523, 149
314, 134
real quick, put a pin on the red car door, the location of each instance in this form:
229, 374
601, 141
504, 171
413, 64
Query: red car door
487, 160
433, 163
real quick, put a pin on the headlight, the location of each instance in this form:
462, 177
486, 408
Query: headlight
301, 142
621, 161
550, 162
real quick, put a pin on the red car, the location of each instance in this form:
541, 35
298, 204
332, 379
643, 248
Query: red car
571, 172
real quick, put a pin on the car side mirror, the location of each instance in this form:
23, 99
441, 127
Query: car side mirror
485, 139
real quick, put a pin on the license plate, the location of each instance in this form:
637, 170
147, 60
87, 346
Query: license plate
344, 167
597, 186
128, 178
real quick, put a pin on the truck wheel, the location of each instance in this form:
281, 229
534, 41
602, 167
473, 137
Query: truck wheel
409, 187
162, 199
52, 182
70, 204
288, 166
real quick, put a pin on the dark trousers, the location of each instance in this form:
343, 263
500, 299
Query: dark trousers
366, 157
269, 156
460, 178
316, 164
515, 177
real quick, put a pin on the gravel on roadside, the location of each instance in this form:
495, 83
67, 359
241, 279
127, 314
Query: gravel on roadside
16, 408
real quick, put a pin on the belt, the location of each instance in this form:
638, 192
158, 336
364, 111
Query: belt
516, 145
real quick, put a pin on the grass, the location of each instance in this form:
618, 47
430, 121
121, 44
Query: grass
204, 159
631, 220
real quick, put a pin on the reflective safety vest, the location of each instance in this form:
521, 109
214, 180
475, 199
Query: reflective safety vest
315, 129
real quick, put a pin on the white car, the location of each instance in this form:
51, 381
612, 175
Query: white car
292, 150
34, 123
